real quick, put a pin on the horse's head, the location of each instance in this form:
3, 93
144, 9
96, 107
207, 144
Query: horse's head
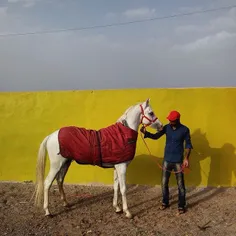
148, 117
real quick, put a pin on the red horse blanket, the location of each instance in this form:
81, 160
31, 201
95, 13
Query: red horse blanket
112, 145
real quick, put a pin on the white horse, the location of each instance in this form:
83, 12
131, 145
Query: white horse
141, 113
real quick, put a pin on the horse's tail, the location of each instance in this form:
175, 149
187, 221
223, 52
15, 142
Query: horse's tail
40, 170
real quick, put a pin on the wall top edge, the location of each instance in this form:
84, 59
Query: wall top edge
117, 89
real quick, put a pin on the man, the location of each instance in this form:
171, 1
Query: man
176, 133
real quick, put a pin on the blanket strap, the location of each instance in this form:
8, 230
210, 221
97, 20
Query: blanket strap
99, 147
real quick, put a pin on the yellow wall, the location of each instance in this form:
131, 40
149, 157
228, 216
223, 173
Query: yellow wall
26, 118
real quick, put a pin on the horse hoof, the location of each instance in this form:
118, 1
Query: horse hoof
128, 216
118, 210
49, 216
67, 205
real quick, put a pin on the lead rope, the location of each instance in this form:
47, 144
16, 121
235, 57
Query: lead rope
183, 169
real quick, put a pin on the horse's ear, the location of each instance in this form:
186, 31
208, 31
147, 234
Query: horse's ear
147, 102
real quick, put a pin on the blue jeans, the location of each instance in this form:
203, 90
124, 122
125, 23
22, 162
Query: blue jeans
167, 167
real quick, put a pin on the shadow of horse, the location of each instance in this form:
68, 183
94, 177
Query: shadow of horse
144, 170
132, 189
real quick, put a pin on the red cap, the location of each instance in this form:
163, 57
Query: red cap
173, 115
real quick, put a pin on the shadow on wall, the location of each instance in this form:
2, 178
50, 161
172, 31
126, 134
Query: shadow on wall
144, 170
222, 162
222, 165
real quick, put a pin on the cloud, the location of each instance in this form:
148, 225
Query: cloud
188, 28
29, 4
12, 22
13, 1
25, 3
110, 15
3, 11
140, 13
189, 9
223, 22
218, 40
220, 3
226, 22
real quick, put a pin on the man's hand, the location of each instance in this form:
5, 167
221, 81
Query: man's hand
143, 130
186, 163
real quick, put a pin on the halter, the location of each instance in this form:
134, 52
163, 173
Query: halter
151, 121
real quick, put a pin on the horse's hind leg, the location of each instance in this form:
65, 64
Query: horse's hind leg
56, 162
60, 180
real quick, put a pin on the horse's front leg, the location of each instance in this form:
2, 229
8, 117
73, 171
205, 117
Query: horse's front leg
116, 188
121, 171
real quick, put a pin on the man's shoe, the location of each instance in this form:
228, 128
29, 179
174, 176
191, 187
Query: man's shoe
163, 207
181, 211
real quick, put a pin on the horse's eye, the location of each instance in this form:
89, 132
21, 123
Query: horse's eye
151, 114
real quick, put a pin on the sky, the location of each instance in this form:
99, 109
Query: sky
189, 51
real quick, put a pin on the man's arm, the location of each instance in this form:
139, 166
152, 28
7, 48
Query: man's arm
156, 135
188, 144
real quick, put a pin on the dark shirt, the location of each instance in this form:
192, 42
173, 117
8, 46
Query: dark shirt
174, 148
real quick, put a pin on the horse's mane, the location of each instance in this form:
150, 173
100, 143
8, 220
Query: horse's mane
124, 116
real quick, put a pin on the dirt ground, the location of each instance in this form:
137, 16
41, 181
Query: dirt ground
210, 212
